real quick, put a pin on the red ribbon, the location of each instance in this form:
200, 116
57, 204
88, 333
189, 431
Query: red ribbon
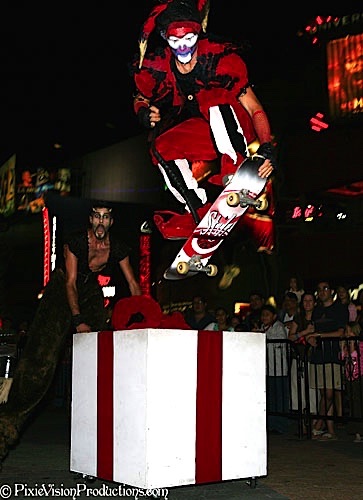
208, 463
105, 405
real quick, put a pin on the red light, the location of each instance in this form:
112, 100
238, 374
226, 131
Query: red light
309, 211
296, 214
46, 257
317, 124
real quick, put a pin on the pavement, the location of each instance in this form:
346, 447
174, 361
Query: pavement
38, 467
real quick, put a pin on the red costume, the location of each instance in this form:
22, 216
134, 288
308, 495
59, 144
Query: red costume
216, 81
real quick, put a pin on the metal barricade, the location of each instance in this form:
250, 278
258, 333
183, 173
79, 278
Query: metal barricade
308, 380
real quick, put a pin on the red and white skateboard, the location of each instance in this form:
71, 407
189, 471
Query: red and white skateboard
239, 194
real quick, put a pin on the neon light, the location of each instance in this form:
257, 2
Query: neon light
145, 259
309, 211
317, 124
46, 236
296, 213
53, 257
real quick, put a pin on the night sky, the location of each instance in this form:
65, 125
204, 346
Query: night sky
64, 72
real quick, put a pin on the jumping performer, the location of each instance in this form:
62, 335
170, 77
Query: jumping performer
193, 93
72, 301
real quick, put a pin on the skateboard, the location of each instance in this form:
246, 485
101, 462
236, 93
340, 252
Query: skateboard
238, 195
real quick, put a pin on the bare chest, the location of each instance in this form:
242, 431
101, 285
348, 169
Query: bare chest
98, 255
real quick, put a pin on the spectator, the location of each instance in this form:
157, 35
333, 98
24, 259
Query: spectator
359, 300
359, 306
295, 286
352, 354
252, 320
222, 324
289, 310
301, 326
198, 317
235, 320
330, 319
343, 296
277, 369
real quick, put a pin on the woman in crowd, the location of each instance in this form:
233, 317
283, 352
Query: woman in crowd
222, 322
301, 326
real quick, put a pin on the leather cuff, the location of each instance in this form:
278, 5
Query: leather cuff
77, 319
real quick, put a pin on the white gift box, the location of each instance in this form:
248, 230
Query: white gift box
155, 408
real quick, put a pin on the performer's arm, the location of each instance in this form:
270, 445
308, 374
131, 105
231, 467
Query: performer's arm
71, 265
262, 128
130, 276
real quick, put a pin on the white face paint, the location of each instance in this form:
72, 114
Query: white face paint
101, 221
183, 48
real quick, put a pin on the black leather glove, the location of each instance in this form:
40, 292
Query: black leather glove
144, 117
268, 151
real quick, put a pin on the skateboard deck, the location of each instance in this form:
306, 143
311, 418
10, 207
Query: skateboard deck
240, 193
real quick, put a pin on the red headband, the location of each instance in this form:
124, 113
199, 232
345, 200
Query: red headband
181, 28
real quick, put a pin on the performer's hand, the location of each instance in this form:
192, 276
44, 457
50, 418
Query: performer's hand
268, 151
154, 114
265, 169
149, 116
83, 328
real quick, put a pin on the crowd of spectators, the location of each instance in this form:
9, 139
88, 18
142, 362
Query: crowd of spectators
316, 322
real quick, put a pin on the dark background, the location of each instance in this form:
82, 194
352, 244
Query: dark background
64, 76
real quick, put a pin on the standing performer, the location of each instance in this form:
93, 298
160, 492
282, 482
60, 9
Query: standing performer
87, 254
72, 298
194, 95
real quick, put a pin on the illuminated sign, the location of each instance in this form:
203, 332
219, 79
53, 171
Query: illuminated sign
329, 25
307, 213
345, 76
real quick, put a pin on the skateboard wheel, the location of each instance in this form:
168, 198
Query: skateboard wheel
263, 203
233, 199
182, 267
212, 270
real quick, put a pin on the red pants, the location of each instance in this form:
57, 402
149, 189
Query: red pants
192, 140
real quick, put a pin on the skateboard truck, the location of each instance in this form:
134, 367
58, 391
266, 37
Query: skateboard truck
243, 199
195, 264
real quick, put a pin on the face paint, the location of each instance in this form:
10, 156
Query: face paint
101, 221
183, 47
